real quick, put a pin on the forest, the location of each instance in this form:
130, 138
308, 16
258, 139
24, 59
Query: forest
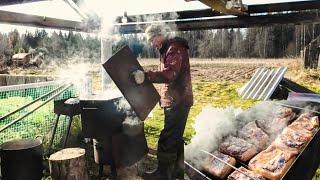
281, 41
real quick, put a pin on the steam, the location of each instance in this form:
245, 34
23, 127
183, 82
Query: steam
211, 125
132, 125
75, 74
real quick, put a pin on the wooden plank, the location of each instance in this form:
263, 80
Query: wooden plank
231, 22
287, 6
40, 21
11, 2
258, 8
172, 15
220, 5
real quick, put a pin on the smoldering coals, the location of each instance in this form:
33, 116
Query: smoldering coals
211, 125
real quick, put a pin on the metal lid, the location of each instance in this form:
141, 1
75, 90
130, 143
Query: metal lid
142, 97
20, 144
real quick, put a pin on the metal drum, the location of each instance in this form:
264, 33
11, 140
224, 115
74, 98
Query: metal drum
21, 159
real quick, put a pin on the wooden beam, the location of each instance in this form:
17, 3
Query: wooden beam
220, 5
11, 2
259, 8
233, 22
40, 21
172, 15
288, 6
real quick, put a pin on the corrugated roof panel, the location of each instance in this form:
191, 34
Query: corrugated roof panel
263, 83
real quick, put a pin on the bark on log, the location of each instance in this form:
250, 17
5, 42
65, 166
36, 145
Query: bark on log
68, 164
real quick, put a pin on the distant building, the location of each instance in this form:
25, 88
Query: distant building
21, 59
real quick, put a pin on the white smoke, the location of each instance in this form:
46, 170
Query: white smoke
75, 73
211, 125
132, 125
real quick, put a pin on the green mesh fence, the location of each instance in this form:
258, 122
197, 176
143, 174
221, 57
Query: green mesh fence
38, 124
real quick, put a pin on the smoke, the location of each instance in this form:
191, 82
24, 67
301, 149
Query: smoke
131, 125
75, 73
211, 125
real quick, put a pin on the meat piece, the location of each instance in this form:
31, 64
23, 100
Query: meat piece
253, 134
304, 121
273, 162
292, 139
238, 148
273, 126
277, 121
216, 167
248, 175
283, 112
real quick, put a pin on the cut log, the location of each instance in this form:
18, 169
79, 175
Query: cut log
68, 164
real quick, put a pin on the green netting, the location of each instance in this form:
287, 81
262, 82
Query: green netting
38, 124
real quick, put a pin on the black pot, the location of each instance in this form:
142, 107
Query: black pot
21, 159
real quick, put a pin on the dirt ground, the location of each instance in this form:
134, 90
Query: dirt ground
228, 69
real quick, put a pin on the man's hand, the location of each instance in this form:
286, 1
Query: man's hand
138, 76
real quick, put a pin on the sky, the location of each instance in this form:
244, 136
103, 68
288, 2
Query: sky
59, 9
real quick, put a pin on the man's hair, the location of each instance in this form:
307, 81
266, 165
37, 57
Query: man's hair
154, 30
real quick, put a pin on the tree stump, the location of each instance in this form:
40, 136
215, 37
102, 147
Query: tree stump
68, 164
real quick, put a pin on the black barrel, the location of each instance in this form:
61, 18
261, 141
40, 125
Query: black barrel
21, 159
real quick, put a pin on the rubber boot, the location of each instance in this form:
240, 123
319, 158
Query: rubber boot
178, 169
165, 168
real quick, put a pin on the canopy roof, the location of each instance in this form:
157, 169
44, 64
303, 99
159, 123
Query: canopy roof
202, 14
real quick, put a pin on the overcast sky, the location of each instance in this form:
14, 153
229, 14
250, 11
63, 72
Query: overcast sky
59, 9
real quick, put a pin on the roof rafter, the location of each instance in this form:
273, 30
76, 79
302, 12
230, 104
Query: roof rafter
40, 21
11, 2
231, 22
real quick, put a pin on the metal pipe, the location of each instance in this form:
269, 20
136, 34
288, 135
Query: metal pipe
199, 172
296, 107
25, 115
233, 167
242, 164
24, 106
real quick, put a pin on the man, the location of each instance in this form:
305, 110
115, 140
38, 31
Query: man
176, 98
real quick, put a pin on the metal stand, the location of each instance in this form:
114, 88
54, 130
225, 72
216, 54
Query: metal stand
102, 155
69, 110
113, 167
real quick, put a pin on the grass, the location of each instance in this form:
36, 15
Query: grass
216, 94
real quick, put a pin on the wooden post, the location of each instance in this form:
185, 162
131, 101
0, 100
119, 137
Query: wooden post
68, 164
306, 62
